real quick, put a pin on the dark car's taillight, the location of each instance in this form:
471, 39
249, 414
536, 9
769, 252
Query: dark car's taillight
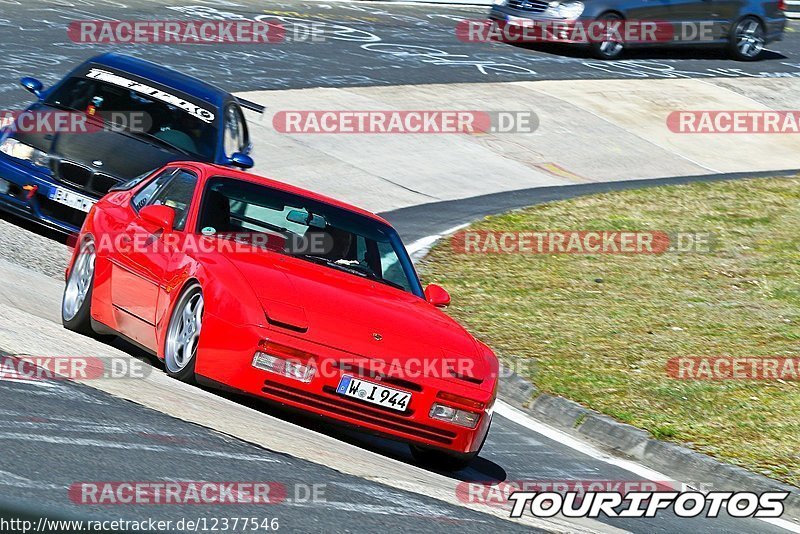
782, 5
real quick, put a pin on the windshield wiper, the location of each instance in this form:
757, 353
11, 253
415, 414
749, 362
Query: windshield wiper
158, 141
356, 269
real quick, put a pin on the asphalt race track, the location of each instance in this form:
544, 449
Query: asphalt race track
56, 434
370, 43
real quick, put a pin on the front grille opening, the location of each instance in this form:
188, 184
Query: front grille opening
343, 407
84, 178
532, 6
74, 174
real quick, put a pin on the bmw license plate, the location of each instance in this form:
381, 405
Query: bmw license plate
374, 393
73, 200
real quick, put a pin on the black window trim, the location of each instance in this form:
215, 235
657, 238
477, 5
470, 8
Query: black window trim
174, 171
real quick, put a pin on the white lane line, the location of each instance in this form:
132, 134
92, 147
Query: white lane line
83, 442
420, 247
522, 419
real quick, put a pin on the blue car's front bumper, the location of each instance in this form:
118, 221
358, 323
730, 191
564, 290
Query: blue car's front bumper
36, 206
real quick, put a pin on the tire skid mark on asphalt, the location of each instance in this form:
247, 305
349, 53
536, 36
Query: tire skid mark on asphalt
73, 422
385, 494
83, 442
409, 506
49, 388
10, 479
86, 428
378, 509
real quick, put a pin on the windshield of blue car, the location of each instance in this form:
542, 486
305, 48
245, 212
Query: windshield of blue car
307, 229
137, 114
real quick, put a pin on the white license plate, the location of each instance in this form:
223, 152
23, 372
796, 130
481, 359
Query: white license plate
518, 21
73, 200
374, 393
4, 186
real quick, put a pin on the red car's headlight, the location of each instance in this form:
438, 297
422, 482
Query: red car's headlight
284, 361
454, 415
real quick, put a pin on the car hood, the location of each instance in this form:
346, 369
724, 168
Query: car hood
122, 156
354, 314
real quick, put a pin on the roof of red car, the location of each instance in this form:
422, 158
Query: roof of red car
219, 170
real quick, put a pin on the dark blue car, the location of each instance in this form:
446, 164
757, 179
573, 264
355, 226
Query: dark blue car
140, 116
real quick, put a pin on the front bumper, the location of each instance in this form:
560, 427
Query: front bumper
38, 208
226, 354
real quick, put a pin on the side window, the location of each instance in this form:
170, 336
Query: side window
391, 268
177, 194
142, 198
235, 131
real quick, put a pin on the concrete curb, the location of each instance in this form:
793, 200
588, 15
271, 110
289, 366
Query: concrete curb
675, 461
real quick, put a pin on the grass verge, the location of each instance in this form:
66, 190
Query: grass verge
601, 328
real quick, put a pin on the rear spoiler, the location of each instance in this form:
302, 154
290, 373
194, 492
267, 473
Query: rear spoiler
258, 108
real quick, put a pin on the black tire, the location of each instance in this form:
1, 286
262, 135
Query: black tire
79, 320
175, 366
747, 39
605, 50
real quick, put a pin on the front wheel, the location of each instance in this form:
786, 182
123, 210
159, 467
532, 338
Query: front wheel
609, 48
183, 335
747, 40
76, 303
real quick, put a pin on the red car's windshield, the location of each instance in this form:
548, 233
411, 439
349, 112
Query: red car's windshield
307, 229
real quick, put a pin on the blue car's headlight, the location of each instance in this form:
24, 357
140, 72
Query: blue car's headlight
566, 10
19, 150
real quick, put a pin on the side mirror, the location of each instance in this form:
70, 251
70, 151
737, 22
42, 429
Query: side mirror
161, 216
33, 85
243, 161
437, 296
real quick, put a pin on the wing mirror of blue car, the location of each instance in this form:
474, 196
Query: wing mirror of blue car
162, 217
33, 85
243, 161
437, 296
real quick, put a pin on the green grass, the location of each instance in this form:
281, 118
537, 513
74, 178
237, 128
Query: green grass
601, 328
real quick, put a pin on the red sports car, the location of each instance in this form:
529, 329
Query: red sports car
245, 283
